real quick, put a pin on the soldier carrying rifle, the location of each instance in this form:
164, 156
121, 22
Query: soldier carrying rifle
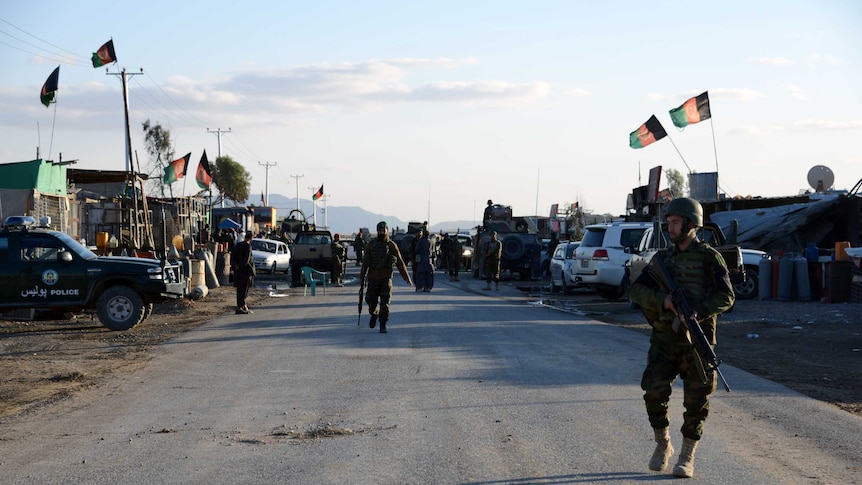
702, 291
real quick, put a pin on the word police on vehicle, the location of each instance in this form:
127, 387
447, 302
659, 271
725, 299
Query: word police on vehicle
47, 272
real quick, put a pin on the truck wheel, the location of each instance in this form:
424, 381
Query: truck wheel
513, 248
294, 276
273, 269
567, 290
120, 308
747, 290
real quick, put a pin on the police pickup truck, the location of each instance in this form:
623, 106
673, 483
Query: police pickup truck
47, 272
310, 248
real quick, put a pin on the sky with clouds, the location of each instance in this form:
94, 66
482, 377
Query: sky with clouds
424, 110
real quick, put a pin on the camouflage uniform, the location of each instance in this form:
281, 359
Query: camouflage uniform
338, 255
493, 253
702, 274
381, 254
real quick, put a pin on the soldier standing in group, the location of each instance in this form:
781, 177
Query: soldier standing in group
492, 254
381, 255
455, 253
702, 274
338, 254
359, 246
243, 271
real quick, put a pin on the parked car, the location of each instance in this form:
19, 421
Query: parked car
559, 269
270, 255
600, 260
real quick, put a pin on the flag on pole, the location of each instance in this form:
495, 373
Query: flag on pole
105, 54
648, 133
692, 111
203, 176
176, 169
50, 87
318, 194
262, 199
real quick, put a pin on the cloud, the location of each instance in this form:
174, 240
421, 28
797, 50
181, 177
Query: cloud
796, 92
827, 125
577, 92
773, 61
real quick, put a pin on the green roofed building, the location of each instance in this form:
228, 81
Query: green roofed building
36, 188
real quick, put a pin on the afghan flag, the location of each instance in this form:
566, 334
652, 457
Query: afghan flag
203, 176
318, 194
177, 169
105, 54
692, 111
649, 132
50, 87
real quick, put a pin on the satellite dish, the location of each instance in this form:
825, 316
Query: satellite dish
820, 178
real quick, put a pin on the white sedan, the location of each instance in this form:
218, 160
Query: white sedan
270, 255
561, 262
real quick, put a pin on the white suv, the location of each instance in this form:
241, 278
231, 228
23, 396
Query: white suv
600, 260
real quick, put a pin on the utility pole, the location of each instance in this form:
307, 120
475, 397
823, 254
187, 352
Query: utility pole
123, 74
266, 183
297, 177
218, 132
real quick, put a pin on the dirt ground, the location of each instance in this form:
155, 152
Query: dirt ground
813, 348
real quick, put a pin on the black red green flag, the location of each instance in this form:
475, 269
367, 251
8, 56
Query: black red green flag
203, 176
648, 133
318, 194
692, 111
50, 87
105, 54
177, 169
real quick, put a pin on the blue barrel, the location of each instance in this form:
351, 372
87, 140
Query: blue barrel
764, 284
800, 273
785, 277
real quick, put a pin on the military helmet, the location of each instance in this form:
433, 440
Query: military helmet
688, 208
382, 225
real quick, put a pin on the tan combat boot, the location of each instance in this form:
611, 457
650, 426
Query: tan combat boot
663, 450
685, 466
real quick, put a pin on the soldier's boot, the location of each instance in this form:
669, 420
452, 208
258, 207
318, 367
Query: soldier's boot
663, 450
685, 466
487, 286
382, 326
373, 321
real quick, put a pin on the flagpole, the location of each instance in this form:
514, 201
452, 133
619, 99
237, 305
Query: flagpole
714, 149
678, 153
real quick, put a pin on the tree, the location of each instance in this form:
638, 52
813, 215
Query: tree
232, 179
676, 182
157, 141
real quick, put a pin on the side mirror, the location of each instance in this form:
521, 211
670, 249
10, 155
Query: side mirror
65, 256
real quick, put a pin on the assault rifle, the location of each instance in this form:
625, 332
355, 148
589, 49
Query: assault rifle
361, 294
686, 316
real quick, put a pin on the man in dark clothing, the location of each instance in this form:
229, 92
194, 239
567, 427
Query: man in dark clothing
424, 264
381, 255
242, 263
359, 247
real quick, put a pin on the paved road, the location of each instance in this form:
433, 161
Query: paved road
468, 387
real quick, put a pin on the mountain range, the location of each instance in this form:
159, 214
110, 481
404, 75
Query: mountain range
347, 219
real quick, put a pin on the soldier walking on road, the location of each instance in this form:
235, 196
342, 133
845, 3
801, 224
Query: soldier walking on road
359, 247
243, 271
455, 253
493, 253
381, 255
700, 271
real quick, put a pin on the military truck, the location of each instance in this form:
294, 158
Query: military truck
310, 248
522, 249
46, 273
